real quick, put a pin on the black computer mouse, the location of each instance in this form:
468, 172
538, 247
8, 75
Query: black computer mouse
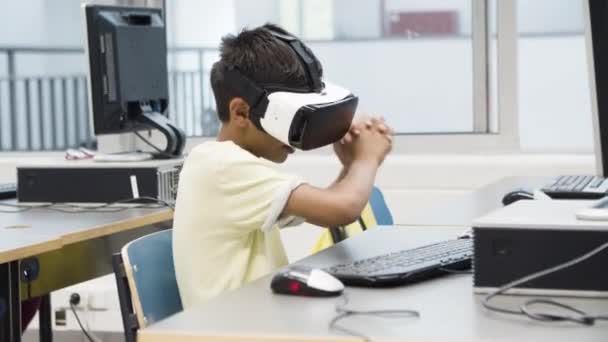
517, 195
306, 281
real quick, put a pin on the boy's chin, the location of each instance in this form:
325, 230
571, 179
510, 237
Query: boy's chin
281, 156
279, 159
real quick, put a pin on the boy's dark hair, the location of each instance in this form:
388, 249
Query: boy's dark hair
262, 58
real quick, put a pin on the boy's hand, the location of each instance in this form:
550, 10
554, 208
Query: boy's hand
361, 151
374, 141
341, 148
369, 122
345, 149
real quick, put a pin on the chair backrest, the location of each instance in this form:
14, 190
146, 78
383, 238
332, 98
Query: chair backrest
375, 213
148, 263
381, 212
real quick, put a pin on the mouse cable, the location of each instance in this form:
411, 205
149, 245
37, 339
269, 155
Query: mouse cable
343, 312
576, 316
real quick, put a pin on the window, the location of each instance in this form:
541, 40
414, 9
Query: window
411, 61
42, 94
555, 112
428, 66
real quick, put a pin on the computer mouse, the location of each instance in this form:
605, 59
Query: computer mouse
306, 281
517, 195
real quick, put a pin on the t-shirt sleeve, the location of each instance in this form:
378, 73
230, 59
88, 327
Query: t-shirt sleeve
255, 194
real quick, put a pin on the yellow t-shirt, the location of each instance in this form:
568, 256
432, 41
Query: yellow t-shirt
226, 222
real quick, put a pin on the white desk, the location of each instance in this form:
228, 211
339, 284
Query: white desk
68, 248
449, 309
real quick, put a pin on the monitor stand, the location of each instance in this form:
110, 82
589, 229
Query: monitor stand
175, 137
125, 148
123, 157
119, 148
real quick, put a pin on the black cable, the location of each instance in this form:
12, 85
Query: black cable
21, 208
455, 271
26, 275
86, 333
105, 207
58, 208
343, 312
71, 208
156, 148
13, 211
578, 316
362, 223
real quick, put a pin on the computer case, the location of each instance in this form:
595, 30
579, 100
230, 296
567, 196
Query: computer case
533, 235
94, 182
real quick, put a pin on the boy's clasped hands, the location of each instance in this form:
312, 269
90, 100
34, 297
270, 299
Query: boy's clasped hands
369, 139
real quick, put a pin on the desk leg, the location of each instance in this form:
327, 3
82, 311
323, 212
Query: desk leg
44, 318
10, 302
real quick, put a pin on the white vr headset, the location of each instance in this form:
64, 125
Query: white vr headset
302, 118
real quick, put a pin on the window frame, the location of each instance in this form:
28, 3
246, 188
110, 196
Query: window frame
505, 117
496, 131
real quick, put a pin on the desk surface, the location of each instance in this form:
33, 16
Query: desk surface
41, 230
449, 309
16, 243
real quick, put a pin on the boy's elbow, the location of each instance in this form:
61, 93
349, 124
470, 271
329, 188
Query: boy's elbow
347, 212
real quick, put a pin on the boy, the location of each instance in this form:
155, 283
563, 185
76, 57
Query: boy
231, 202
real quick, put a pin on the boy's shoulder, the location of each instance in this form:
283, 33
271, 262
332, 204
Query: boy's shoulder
222, 154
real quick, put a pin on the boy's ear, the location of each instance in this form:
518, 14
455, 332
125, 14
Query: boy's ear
239, 112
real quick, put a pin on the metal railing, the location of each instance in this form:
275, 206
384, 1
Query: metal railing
51, 112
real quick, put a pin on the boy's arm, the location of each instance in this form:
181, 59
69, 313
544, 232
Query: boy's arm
341, 176
339, 204
342, 202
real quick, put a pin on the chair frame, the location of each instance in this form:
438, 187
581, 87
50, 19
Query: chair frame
129, 317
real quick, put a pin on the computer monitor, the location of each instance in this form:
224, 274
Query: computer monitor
128, 83
596, 36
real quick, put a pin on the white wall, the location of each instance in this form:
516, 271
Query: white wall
42, 23
255, 13
541, 16
344, 25
39, 23
534, 16
419, 86
554, 107
199, 23
462, 7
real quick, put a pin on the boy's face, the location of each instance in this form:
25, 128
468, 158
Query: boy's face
248, 136
268, 147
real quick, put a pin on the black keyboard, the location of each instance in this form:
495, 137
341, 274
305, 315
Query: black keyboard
577, 187
8, 190
407, 266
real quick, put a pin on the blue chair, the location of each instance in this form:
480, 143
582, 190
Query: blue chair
375, 213
147, 287
381, 212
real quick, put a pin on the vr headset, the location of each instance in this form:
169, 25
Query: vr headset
301, 118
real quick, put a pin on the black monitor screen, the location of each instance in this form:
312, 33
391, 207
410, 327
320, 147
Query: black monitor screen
127, 55
598, 15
